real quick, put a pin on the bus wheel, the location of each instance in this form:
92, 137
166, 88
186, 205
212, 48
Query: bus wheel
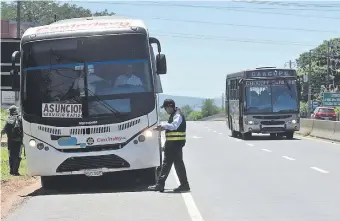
49, 182
246, 135
290, 135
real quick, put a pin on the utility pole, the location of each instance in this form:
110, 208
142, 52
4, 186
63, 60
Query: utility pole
309, 105
290, 63
18, 19
328, 61
222, 101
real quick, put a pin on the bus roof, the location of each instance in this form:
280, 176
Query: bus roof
95, 25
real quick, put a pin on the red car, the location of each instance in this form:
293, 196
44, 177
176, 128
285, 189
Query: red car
324, 113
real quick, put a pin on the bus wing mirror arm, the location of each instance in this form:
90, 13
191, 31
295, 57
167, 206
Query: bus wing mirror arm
15, 72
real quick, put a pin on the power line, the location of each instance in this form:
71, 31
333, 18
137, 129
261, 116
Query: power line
289, 3
223, 38
211, 7
240, 25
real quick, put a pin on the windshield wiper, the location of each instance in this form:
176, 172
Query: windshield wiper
106, 105
288, 86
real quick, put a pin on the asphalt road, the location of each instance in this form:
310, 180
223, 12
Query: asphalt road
231, 179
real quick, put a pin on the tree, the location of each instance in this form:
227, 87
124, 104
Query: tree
186, 110
195, 115
209, 108
42, 12
318, 66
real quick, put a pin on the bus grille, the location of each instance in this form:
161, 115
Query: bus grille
127, 125
50, 130
93, 148
272, 117
92, 162
90, 130
272, 122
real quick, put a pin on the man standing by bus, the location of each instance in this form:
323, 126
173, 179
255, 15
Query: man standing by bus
173, 154
13, 129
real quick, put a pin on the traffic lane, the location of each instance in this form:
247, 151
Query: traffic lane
103, 204
312, 153
234, 181
318, 155
322, 156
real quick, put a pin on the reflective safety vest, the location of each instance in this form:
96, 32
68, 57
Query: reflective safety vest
179, 134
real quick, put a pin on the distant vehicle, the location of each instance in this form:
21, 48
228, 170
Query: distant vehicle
263, 100
89, 97
324, 113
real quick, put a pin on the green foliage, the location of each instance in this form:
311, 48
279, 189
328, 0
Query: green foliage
42, 12
318, 61
209, 108
195, 115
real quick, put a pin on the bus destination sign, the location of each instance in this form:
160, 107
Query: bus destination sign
270, 73
259, 83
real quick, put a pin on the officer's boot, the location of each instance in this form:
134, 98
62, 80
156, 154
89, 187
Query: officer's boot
182, 188
157, 187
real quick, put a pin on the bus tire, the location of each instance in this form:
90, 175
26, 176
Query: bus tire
290, 135
246, 135
49, 182
272, 135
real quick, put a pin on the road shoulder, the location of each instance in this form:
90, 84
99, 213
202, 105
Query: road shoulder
14, 191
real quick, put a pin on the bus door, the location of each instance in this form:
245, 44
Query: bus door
241, 103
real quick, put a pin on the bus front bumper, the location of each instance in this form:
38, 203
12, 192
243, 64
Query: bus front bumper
49, 161
267, 129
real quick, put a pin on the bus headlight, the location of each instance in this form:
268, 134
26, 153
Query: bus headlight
148, 133
250, 122
32, 143
293, 121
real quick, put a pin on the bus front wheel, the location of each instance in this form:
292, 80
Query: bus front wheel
49, 182
290, 135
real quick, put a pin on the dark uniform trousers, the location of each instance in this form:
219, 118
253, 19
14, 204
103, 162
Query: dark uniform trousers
14, 149
173, 154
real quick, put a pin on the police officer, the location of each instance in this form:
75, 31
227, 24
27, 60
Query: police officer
175, 140
13, 129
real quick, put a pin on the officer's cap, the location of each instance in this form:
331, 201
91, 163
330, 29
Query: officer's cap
13, 108
168, 103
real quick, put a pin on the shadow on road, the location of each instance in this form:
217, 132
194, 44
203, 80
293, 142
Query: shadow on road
108, 183
265, 137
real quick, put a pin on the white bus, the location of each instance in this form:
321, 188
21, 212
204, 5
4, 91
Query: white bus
89, 98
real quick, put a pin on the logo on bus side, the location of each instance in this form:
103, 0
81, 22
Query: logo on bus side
90, 141
110, 139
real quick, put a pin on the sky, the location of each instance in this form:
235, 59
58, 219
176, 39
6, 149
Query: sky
205, 40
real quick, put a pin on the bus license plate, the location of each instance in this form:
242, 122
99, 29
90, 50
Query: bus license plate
95, 172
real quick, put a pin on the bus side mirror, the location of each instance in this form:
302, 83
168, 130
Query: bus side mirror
161, 64
15, 72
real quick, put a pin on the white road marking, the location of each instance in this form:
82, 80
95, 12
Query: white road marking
238, 140
266, 150
194, 213
196, 137
250, 144
220, 133
215, 131
288, 158
319, 170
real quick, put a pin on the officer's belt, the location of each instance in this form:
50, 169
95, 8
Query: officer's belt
175, 135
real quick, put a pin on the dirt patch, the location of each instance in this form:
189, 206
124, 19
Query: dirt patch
13, 192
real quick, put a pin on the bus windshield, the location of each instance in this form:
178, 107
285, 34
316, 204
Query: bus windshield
271, 96
101, 73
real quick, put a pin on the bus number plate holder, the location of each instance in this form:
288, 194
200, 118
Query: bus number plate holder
93, 172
